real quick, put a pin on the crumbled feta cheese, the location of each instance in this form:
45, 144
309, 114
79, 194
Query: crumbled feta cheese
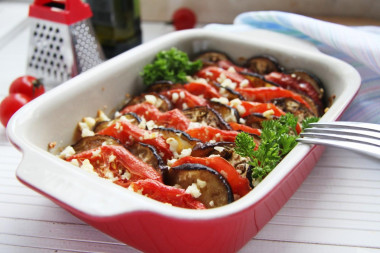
75, 162
101, 116
221, 78
151, 99
87, 132
67, 152
240, 109
219, 149
96, 153
182, 95
185, 152
87, 166
151, 124
184, 106
201, 184
211, 203
244, 83
242, 121
227, 83
175, 97
268, 114
111, 158
126, 175
231, 69
173, 144
222, 100
151, 135
193, 190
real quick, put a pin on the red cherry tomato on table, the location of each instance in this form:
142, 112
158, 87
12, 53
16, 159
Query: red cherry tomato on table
184, 18
27, 85
10, 105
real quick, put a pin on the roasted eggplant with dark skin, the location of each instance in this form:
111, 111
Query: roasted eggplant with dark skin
182, 139
206, 115
228, 113
91, 142
263, 64
130, 116
214, 188
211, 58
160, 86
148, 154
294, 107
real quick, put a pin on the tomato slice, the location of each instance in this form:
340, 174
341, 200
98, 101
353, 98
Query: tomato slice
202, 89
208, 133
167, 194
246, 108
218, 75
173, 118
286, 81
240, 127
267, 94
239, 184
182, 99
114, 159
128, 134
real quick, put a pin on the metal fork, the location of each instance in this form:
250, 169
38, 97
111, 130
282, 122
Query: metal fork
355, 136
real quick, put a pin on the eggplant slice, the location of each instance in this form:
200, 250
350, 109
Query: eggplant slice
206, 115
182, 139
91, 142
148, 154
263, 64
258, 80
292, 106
228, 113
159, 86
214, 189
130, 116
211, 58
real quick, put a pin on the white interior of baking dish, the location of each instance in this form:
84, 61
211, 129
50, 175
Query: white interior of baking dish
53, 117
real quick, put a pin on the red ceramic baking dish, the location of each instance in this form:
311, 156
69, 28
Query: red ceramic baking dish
136, 220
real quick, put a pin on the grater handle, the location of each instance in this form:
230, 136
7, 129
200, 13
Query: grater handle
61, 11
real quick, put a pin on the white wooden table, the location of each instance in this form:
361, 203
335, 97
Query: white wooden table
336, 209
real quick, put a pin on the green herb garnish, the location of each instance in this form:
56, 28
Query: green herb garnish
278, 137
171, 65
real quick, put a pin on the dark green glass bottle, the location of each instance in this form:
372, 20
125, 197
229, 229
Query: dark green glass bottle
116, 24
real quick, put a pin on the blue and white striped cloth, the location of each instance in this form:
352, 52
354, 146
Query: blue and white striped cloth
358, 46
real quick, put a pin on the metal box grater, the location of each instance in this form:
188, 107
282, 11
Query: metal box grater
62, 43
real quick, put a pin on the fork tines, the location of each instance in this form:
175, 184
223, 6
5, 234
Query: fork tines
357, 136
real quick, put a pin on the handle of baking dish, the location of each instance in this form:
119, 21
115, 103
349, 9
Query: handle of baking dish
73, 188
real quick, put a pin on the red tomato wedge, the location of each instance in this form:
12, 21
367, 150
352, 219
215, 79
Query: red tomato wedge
173, 118
128, 134
182, 99
206, 90
239, 184
208, 133
240, 127
166, 194
267, 94
114, 158
214, 73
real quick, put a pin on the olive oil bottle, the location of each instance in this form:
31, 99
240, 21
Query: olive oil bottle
116, 24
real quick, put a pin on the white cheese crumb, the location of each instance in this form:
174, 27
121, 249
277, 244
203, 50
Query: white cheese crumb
184, 106
201, 184
102, 116
227, 83
219, 149
268, 114
151, 99
67, 152
175, 97
182, 94
173, 144
231, 69
242, 121
87, 132
244, 83
185, 152
194, 190
211, 203
96, 153
111, 158
75, 162
87, 166
222, 100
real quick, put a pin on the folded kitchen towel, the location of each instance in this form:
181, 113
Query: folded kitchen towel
358, 46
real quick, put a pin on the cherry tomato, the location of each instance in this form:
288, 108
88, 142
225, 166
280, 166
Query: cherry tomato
184, 18
10, 105
27, 85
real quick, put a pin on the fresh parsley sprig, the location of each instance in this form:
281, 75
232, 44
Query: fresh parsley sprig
278, 138
170, 65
